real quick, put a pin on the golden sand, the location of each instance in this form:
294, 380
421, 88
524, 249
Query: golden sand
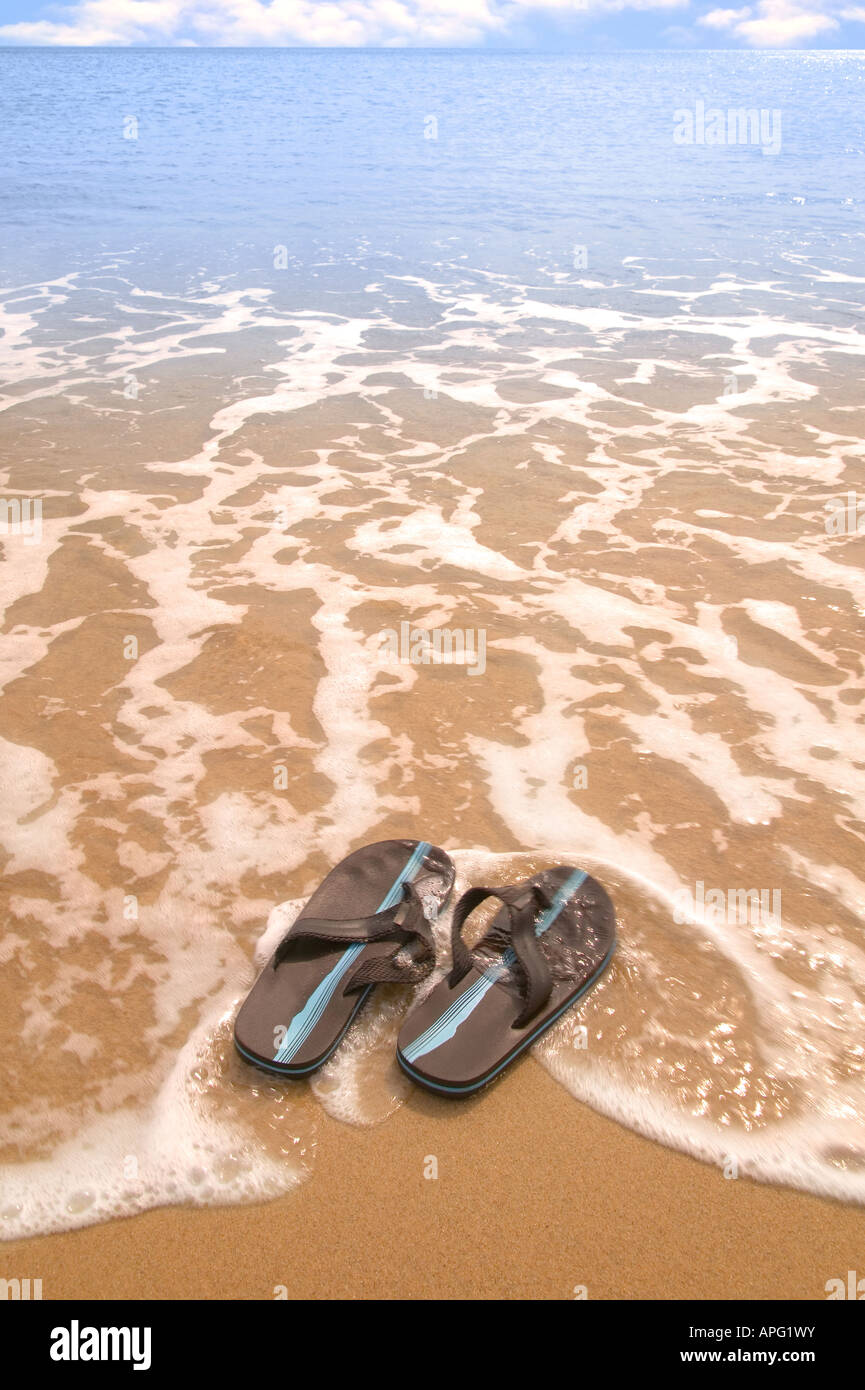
536, 1197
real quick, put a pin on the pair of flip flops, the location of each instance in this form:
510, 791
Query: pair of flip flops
370, 922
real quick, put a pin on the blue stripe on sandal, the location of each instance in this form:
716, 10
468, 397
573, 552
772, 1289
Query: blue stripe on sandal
305, 1021
445, 1027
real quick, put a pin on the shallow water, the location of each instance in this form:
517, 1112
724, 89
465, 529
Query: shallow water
609, 475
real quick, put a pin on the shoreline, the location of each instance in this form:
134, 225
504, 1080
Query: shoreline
536, 1196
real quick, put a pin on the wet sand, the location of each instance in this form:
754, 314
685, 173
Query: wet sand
663, 611
536, 1195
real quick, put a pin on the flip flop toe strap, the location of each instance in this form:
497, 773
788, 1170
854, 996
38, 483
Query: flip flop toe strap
523, 903
414, 954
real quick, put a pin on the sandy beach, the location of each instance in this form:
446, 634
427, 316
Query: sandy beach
536, 1197
260, 731
496, 488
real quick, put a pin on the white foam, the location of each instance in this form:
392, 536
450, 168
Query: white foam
561, 612
173, 1150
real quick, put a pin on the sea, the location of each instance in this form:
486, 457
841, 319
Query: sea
550, 362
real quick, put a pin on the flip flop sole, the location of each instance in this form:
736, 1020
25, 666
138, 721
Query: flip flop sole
297, 1012
469, 1088
300, 1073
461, 1037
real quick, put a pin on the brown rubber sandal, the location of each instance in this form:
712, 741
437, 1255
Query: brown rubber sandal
552, 940
368, 922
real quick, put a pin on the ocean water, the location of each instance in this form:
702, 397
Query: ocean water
298, 347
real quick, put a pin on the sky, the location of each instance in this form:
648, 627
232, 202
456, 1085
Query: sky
484, 24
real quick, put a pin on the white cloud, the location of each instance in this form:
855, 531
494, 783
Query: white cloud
253, 22
775, 24
723, 19
336, 23
323, 23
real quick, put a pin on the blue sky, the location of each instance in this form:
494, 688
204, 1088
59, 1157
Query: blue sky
439, 23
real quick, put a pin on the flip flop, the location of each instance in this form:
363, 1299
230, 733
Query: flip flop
368, 922
550, 942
